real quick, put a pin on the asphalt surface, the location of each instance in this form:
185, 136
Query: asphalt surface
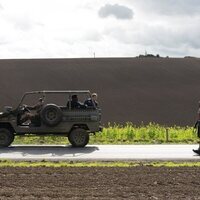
100, 153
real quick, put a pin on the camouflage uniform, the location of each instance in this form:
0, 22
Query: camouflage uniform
31, 116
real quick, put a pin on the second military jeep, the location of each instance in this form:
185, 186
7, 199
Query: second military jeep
56, 117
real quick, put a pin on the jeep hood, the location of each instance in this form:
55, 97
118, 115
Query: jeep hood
4, 114
1, 114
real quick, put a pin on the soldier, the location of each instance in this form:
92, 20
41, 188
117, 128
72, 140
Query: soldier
197, 126
37, 108
92, 102
75, 103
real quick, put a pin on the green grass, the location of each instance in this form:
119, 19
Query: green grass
7, 163
151, 134
128, 134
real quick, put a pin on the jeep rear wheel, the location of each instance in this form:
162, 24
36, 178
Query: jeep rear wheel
6, 137
78, 137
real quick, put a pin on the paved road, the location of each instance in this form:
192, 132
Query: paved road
100, 152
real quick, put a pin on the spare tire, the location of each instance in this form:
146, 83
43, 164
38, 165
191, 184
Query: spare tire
51, 115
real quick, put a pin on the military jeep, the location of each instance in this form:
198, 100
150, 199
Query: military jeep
56, 117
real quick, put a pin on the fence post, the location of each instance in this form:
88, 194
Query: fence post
167, 135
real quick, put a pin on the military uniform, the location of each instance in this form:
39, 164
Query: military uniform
197, 125
76, 105
90, 103
33, 116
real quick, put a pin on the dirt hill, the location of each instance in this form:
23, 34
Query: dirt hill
162, 90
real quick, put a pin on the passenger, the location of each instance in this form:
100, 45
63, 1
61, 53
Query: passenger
37, 108
75, 104
197, 126
92, 102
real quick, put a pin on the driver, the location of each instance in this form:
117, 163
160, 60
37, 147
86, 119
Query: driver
37, 108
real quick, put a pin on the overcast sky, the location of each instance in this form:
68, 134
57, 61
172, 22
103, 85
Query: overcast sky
114, 28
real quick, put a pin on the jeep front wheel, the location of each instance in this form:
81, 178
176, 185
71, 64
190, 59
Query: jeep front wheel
78, 137
6, 137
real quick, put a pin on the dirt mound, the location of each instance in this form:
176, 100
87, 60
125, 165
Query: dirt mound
161, 90
99, 183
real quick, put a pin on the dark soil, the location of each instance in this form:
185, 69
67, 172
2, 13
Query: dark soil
100, 183
162, 90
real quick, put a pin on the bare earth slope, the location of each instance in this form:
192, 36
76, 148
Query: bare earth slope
139, 90
99, 183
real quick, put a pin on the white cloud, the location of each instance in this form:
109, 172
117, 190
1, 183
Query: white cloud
31, 29
118, 11
170, 7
